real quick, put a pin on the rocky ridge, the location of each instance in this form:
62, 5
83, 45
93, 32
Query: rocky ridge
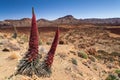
66, 20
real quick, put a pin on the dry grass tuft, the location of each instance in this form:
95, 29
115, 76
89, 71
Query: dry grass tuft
13, 56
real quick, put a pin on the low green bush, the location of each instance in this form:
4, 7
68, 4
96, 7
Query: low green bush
82, 54
74, 61
40, 42
111, 77
117, 71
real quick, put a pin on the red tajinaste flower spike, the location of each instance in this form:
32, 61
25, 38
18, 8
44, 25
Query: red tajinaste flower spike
33, 43
51, 53
30, 63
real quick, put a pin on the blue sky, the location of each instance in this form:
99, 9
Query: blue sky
53, 9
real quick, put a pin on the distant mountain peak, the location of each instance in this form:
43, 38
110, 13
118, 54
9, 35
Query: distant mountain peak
67, 17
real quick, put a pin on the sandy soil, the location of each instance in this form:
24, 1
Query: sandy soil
96, 67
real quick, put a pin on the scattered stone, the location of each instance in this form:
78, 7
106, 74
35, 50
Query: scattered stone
5, 35
62, 55
80, 73
14, 47
92, 58
21, 42
83, 46
4, 41
73, 52
103, 52
92, 51
6, 50
110, 65
86, 64
42, 50
48, 43
61, 42
92, 43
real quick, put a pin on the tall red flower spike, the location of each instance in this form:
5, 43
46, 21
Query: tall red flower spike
33, 43
29, 65
51, 53
47, 63
45, 66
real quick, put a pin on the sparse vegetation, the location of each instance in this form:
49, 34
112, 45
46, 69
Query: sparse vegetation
40, 42
102, 52
15, 32
111, 77
74, 61
82, 54
118, 72
48, 43
24, 38
115, 54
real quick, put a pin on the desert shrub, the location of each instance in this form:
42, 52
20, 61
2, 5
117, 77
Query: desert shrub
98, 56
14, 35
102, 52
117, 71
115, 54
48, 43
61, 42
111, 59
74, 61
111, 77
73, 52
15, 32
40, 42
82, 54
24, 38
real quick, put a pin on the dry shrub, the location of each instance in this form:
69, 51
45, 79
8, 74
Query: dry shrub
92, 51
13, 56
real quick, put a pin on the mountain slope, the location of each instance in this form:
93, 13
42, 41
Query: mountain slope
66, 20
